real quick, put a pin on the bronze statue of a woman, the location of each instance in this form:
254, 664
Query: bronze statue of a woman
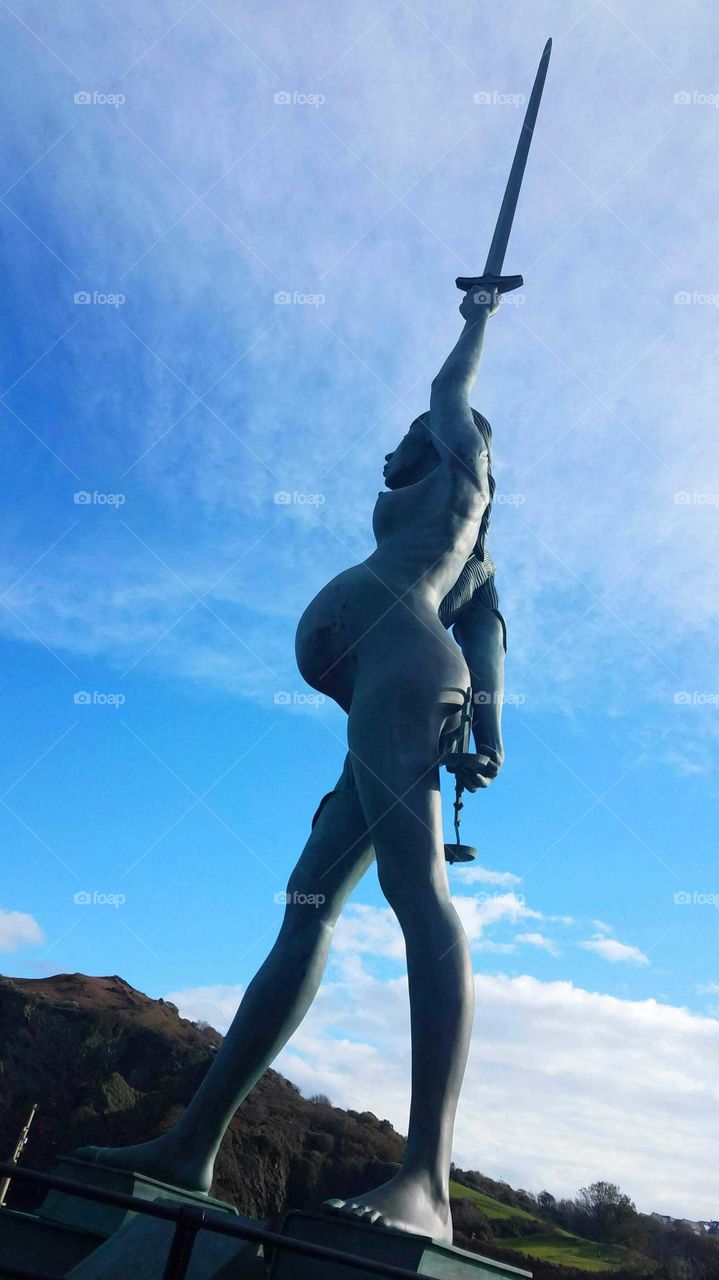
375, 640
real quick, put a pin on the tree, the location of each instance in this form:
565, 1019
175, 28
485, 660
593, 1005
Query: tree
546, 1203
607, 1212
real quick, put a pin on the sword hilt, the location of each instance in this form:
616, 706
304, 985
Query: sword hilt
503, 284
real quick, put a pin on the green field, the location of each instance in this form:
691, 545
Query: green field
491, 1208
551, 1246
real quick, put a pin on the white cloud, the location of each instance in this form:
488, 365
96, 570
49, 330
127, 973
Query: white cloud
18, 929
485, 910
366, 930
535, 1106
708, 988
482, 875
214, 1004
538, 940
615, 952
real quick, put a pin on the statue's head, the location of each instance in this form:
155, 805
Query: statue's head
416, 455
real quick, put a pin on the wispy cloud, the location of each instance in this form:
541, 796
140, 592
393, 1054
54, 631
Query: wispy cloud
615, 952
538, 940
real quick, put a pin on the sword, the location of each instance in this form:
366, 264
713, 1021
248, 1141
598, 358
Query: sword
491, 277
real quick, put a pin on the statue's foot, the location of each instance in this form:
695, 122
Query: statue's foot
161, 1159
405, 1204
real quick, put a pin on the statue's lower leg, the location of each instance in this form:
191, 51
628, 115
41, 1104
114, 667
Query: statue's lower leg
272, 1008
442, 1006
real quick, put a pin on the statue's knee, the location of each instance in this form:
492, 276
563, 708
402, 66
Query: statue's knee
307, 909
410, 889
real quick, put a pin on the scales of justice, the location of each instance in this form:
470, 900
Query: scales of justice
410, 643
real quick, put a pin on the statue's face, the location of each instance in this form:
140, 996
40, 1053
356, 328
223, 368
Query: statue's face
413, 459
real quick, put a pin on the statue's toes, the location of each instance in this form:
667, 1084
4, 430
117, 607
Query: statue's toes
335, 1205
91, 1154
357, 1209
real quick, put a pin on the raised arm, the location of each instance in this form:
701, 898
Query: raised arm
451, 423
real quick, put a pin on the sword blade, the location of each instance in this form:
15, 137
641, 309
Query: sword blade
498, 247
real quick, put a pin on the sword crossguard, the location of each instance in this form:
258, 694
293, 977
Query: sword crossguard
503, 284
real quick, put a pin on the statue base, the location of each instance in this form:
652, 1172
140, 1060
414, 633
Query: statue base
104, 1219
420, 1254
69, 1235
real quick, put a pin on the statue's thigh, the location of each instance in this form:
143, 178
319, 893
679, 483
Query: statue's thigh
339, 850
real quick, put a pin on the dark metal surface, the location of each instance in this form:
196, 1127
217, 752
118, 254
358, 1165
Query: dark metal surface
491, 277
190, 1221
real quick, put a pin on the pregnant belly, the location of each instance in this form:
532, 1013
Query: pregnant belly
356, 621
330, 630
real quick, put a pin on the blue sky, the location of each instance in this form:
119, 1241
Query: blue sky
220, 156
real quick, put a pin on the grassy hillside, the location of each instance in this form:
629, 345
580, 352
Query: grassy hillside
555, 1245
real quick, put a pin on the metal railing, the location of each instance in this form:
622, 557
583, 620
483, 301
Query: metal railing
188, 1220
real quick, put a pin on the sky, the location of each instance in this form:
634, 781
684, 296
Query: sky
229, 241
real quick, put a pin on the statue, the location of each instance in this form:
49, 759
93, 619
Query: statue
376, 640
